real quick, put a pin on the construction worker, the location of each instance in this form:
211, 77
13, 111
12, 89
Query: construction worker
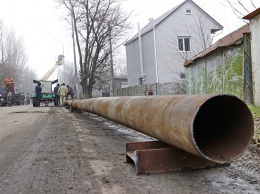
38, 92
9, 98
70, 92
57, 97
62, 93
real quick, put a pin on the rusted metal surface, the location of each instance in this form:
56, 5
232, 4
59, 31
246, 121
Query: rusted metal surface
215, 127
156, 156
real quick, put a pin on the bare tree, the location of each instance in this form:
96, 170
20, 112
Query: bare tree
120, 63
96, 24
68, 73
241, 8
12, 54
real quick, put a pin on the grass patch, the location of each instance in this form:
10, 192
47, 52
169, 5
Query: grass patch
256, 114
255, 111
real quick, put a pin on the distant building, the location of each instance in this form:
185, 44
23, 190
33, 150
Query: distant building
119, 83
158, 52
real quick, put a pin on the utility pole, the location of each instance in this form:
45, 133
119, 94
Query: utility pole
111, 57
74, 53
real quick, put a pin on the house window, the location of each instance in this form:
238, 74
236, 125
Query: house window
188, 12
182, 76
184, 44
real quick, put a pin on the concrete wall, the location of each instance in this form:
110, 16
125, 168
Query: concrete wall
255, 50
219, 72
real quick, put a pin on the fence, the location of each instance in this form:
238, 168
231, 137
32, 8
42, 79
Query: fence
171, 88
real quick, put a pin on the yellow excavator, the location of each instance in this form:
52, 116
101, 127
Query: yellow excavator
47, 94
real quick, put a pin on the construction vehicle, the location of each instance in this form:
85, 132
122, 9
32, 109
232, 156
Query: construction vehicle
47, 95
17, 98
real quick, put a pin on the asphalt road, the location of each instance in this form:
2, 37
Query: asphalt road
51, 150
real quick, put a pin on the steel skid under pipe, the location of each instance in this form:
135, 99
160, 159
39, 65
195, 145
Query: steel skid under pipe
215, 127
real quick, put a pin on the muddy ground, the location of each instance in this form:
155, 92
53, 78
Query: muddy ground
51, 150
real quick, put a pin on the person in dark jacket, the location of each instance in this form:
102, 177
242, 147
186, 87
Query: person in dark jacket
70, 92
38, 92
57, 97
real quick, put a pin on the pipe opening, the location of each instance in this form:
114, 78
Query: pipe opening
223, 128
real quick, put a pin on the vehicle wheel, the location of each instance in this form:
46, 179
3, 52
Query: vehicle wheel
34, 102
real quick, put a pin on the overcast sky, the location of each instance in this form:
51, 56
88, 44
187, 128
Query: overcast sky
46, 35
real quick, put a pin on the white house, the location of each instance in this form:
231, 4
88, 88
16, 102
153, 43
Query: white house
157, 53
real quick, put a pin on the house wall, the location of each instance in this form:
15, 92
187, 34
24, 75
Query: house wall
169, 60
133, 63
217, 73
149, 58
255, 29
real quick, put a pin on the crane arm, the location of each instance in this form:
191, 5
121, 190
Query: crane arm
50, 72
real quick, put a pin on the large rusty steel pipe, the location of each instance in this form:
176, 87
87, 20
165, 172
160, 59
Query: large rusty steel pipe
216, 127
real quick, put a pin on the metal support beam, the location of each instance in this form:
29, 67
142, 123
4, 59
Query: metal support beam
156, 156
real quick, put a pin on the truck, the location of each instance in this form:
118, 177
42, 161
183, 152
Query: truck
17, 98
47, 95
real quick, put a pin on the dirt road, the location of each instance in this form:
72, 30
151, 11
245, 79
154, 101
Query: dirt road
50, 150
